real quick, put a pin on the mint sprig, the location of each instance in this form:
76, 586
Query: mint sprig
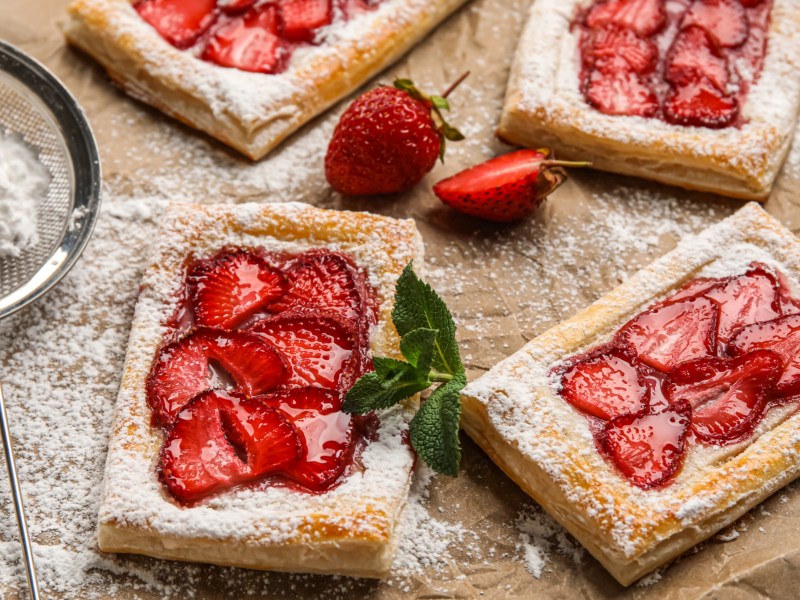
428, 343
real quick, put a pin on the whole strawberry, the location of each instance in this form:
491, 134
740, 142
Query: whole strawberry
387, 140
505, 188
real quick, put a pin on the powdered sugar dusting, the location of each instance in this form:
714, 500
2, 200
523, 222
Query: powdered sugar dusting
539, 536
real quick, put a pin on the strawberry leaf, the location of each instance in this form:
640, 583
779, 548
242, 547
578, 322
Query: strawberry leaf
434, 429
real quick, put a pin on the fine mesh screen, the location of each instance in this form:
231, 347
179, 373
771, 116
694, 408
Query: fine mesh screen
24, 114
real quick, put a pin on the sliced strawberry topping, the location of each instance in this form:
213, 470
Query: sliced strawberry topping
235, 6
620, 91
325, 281
185, 368
693, 57
693, 288
750, 3
648, 448
180, 22
700, 104
327, 434
222, 439
606, 385
320, 349
789, 304
250, 42
613, 43
782, 336
727, 395
669, 334
302, 18
231, 287
746, 299
724, 20
645, 17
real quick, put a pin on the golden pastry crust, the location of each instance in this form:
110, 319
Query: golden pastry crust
349, 530
251, 112
544, 107
516, 415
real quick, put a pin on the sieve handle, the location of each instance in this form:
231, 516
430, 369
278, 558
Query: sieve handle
27, 550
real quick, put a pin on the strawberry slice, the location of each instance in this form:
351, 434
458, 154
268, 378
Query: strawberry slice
790, 305
728, 395
693, 57
319, 348
781, 335
327, 434
648, 448
302, 18
620, 91
750, 3
250, 42
695, 287
186, 367
222, 439
724, 20
645, 17
670, 333
605, 385
180, 22
235, 6
230, 287
744, 300
700, 104
324, 281
612, 43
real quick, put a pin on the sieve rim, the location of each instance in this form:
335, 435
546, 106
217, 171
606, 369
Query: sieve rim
74, 130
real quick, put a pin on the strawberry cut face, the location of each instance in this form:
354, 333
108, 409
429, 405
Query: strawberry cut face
700, 104
648, 448
326, 432
320, 349
725, 21
728, 395
781, 335
182, 369
300, 19
231, 287
620, 91
671, 333
613, 43
606, 385
645, 17
223, 439
180, 22
693, 58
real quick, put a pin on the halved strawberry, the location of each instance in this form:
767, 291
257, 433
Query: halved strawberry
645, 17
327, 434
612, 43
318, 347
700, 104
222, 439
505, 188
671, 333
605, 385
781, 335
302, 18
727, 394
250, 42
746, 299
183, 368
693, 57
180, 22
620, 91
648, 448
325, 281
724, 20
231, 286
235, 6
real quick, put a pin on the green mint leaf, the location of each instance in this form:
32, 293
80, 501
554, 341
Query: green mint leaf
418, 346
374, 392
434, 429
418, 306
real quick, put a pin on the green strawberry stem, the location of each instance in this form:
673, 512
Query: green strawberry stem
564, 163
455, 84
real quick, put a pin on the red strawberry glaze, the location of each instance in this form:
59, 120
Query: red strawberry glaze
712, 52
244, 34
702, 366
291, 321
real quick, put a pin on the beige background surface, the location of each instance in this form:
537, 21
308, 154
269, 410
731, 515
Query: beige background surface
505, 284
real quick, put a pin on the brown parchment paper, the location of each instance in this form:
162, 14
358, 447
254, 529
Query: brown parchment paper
504, 284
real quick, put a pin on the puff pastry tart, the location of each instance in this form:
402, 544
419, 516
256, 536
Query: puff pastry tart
702, 94
665, 410
228, 444
248, 72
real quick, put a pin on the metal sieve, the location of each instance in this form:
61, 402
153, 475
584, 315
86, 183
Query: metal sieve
35, 106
